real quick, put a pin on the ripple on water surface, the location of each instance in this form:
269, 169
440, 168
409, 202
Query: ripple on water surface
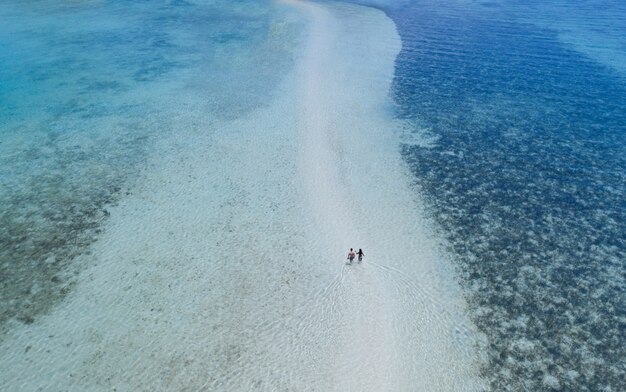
525, 176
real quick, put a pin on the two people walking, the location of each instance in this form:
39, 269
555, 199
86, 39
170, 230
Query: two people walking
352, 254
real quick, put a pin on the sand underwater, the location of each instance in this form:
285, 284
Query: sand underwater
221, 267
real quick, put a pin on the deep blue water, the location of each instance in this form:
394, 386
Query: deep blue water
526, 176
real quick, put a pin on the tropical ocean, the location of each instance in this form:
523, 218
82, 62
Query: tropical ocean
525, 107
180, 182
86, 89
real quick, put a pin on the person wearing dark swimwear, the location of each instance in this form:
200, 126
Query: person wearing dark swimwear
360, 254
351, 255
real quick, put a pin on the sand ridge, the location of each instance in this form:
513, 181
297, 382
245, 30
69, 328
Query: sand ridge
403, 322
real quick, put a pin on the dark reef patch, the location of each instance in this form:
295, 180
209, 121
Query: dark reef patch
52, 214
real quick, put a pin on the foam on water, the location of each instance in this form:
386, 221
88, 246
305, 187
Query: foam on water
224, 268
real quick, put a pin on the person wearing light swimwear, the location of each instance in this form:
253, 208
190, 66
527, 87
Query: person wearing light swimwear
360, 254
351, 255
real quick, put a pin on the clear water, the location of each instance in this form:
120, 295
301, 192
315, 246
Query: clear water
174, 194
85, 89
523, 107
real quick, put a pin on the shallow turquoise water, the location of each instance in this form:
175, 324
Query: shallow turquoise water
85, 89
